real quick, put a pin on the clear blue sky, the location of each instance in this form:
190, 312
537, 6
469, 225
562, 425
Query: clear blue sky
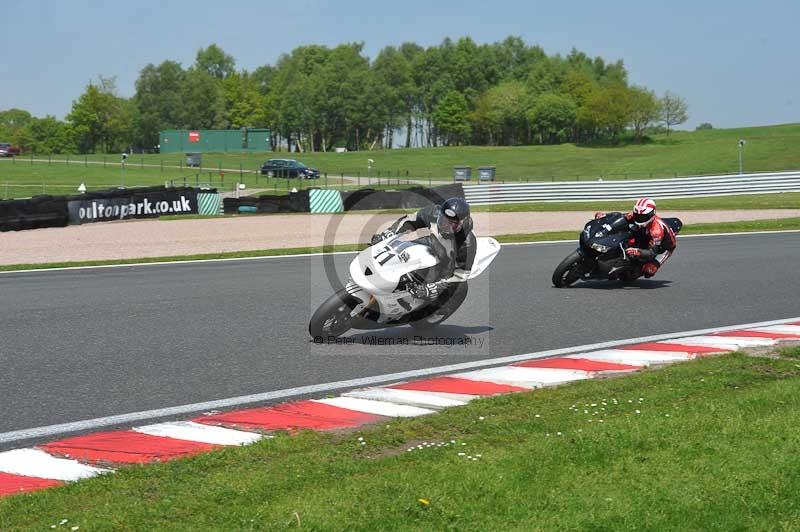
737, 63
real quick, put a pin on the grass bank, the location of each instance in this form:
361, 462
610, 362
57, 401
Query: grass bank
705, 445
682, 153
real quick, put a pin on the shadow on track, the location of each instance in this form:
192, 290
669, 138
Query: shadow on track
451, 332
639, 284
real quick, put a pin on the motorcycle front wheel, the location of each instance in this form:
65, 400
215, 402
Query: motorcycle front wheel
568, 271
332, 319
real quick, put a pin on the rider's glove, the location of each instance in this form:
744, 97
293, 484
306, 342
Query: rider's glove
427, 291
381, 236
598, 215
633, 252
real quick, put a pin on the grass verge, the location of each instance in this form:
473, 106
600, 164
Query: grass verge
789, 200
790, 351
705, 445
780, 224
717, 228
184, 258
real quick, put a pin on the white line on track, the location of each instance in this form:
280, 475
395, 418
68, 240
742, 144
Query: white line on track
177, 262
232, 259
91, 424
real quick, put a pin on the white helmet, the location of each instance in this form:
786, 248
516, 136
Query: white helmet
644, 211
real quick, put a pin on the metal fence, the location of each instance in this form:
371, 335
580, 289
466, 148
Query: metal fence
722, 185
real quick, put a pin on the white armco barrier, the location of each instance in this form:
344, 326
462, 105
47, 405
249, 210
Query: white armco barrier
683, 187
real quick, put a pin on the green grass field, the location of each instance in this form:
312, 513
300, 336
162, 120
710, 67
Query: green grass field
20, 178
769, 148
705, 445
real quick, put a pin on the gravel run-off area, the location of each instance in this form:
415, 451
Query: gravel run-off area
132, 239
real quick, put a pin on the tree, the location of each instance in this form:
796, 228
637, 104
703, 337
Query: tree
504, 108
469, 71
606, 111
158, 101
704, 126
433, 79
392, 72
335, 91
512, 59
244, 104
370, 118
552, 117
578, 85
316, 97
101, 119
203, 101
644, 110
674, 110
452, 119
47, 135
546, 76
12, 121
215, 62
262, 77
411, 93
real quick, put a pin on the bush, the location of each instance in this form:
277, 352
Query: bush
655, 129
704, 125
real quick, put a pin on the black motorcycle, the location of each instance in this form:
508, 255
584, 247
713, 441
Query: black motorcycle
601, 252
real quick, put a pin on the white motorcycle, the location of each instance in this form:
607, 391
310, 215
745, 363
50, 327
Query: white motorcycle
377, 295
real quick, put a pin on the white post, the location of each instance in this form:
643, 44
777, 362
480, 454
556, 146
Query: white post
741, 152
122, 169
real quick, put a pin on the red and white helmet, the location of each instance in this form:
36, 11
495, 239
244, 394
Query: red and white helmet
644, 211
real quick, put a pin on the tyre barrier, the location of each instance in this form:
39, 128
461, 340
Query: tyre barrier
362, 199
99, 206
34, 213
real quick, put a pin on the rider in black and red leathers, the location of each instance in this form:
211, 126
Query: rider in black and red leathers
653, 241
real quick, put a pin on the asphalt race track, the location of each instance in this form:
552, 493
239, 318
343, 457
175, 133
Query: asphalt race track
84, 344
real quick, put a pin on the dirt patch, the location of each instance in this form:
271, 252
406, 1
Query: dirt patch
156, 238
415, 446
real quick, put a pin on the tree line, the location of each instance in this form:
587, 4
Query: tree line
317, 98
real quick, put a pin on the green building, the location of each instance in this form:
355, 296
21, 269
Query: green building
217, 140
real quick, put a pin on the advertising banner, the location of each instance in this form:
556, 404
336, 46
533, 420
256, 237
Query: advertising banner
124, 205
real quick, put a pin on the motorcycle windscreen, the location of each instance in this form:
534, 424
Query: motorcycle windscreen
378, 269
486, 250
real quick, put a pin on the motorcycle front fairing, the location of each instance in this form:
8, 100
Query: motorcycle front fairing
603, 241
378, 271
487, 249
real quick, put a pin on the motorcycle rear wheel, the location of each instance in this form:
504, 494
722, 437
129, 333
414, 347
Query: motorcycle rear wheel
431, 320
332, 319
439, 311
568, 271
